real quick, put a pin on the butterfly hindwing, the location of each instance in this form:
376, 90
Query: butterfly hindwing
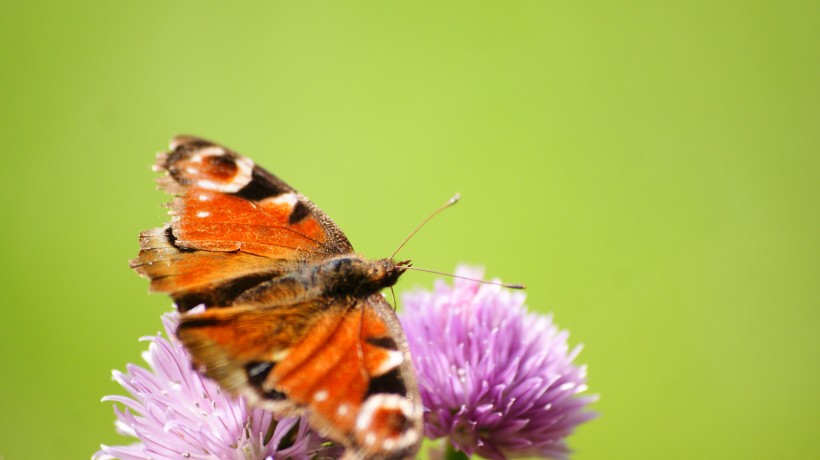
347, 366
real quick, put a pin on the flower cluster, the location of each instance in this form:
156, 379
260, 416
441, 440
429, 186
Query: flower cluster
176, 413
495, 380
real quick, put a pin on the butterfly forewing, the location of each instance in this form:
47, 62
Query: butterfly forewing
292, 319
233, 225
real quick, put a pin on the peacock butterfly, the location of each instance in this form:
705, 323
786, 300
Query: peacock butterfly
293, 320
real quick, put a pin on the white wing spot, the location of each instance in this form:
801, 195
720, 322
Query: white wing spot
280, 355
203, 214
394, 359
289, 199
203, 197
320, 396
343, 410
212, 151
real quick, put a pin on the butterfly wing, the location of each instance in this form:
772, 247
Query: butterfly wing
345, 363
233, 226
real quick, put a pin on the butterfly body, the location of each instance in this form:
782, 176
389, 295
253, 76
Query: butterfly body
293, 319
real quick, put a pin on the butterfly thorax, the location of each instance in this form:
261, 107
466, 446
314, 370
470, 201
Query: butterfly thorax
352, 275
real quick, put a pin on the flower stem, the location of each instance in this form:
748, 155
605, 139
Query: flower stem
451, 453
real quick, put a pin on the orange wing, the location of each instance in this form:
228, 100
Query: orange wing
344, 362
233, 225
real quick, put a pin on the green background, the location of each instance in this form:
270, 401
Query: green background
648, 169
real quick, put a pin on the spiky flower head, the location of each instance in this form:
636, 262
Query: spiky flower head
495, 380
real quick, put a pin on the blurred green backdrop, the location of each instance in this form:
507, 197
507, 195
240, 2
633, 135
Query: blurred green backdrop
649, 170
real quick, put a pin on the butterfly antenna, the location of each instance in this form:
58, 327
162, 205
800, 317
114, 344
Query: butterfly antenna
446, 205
496, 283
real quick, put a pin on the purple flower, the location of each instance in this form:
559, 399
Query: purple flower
175, 413
496, 380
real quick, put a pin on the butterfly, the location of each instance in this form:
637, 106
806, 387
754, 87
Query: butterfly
293, 320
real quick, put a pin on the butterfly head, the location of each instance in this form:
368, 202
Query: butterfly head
387, 271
